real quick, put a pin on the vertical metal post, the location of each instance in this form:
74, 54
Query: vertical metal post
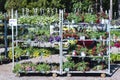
5, 35
101, 9
111, 9
61, 33
109, 26
16, 28
12, 42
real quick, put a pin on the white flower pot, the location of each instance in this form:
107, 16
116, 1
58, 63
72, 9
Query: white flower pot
83, 54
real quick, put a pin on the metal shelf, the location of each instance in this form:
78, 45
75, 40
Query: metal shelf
97, 71
86, 56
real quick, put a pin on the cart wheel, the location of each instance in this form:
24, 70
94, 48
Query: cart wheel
103, 75
54, 75
18, 75
69, 75
1, 62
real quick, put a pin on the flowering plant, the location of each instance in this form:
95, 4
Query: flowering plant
54, 38
117, 44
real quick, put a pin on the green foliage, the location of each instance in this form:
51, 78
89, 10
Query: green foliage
86, 4
42, 20
15, 4
114, 57
68, 64
17, 68
69, 5
77, 5
75, 17
1, 16
43, 67
88, 17
17, 53
115, 33
2, 57
81, 66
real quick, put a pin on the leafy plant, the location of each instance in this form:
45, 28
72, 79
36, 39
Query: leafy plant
18, 52
44, 52
114, 57
76, 17
1, 16
98, 67
88, 17
2, 57
68, 64
42, 67
81, 66
38, 20
17, 68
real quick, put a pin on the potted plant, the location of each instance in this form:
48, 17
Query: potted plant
42, 67
17, 68
89, 18
1, 17
54, 66
83, 51
82, 66
68, 65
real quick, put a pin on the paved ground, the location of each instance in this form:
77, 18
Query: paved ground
6, 74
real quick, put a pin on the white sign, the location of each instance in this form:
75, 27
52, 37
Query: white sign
13, 22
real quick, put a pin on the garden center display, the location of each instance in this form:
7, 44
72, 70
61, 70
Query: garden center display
61, 47
3, 40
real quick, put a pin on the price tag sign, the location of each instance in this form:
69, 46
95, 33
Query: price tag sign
13, 22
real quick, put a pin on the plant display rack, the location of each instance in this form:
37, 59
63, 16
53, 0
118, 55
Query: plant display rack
3, 41
36, 41
91, 49
79, 48
115, 43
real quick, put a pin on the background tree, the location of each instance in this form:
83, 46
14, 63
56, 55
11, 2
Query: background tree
2, 2
83, 5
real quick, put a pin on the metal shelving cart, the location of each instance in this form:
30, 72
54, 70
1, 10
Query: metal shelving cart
3, 35
73, 63
86, 63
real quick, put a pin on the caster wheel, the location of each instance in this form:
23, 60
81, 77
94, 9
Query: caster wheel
103, 75
18, 75
54, 75
69, 75
1, 62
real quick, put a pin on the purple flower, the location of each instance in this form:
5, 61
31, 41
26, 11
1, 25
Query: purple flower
51, 39
57, 38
